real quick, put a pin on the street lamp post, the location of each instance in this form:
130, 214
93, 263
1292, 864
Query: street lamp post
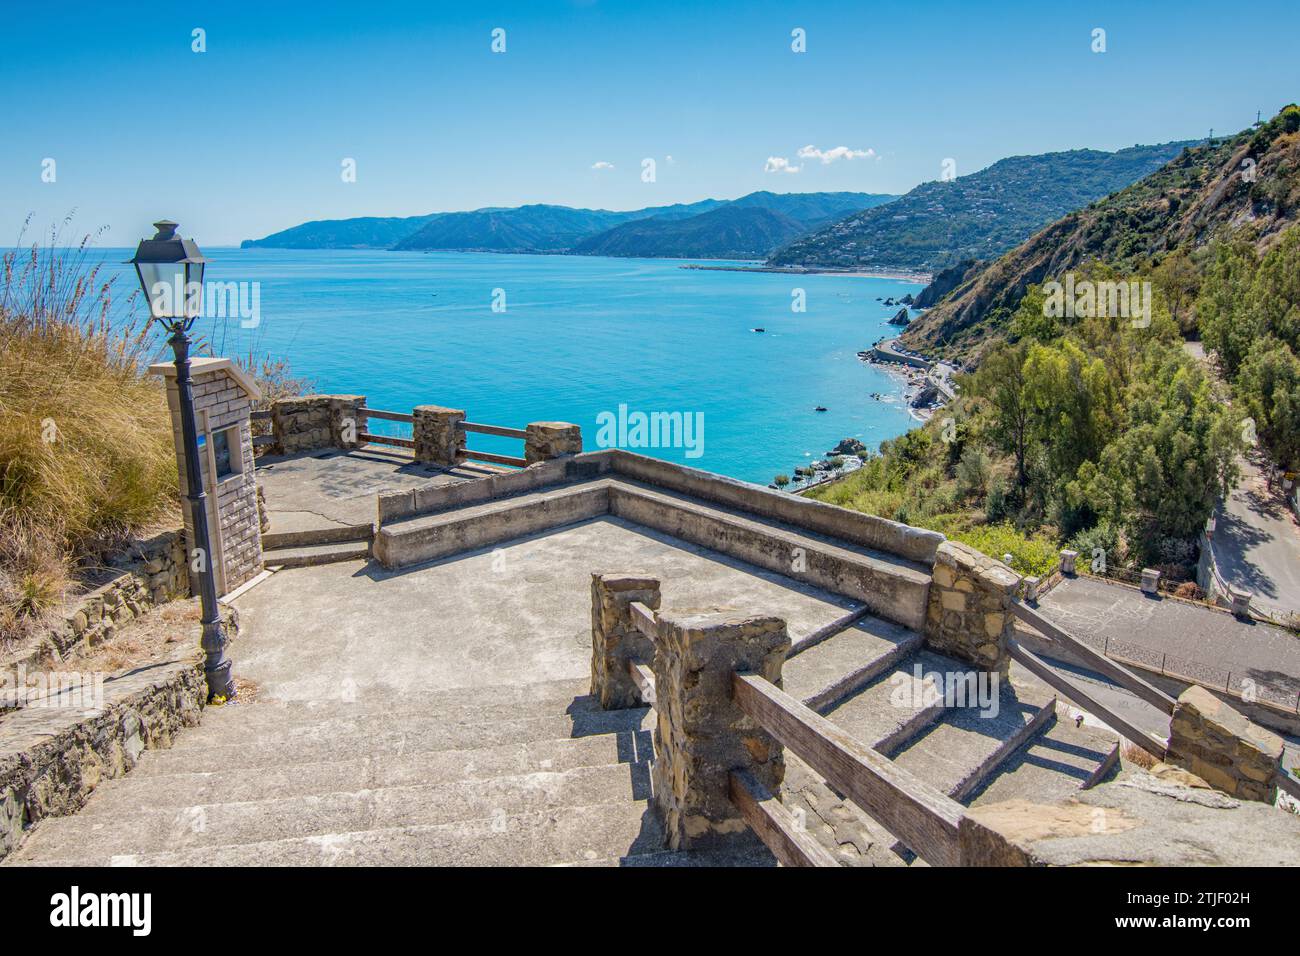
171, 274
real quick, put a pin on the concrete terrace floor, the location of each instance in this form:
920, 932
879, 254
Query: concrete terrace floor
335, 488
516, 614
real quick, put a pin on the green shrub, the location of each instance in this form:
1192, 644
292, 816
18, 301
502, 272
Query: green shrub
1035, 555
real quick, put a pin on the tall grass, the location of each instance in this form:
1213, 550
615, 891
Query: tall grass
86, 455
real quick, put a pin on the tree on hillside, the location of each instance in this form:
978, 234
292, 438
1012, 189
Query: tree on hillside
1177, 280
1270, 385
1000, 381
1228, 327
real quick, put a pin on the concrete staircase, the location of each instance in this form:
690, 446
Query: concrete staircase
864, 679
533, 775
313, 546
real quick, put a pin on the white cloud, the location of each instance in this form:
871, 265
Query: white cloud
831, 155
602, 165
779, 164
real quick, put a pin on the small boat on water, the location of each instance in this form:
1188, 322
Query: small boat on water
820, 408
760, 329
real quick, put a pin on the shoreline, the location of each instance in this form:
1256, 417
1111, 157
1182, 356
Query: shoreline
902, 275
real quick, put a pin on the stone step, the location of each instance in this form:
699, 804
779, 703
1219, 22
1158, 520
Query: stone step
412, 735
1054, 765
368, 772
894, 706
310, 555
556, 835
837, 666
150, 830
261, 718
963, 740
332, 534
502, 698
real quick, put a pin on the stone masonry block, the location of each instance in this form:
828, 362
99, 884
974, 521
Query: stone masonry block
615, 640
701, 734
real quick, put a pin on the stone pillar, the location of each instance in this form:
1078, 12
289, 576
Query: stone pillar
701, 734
969, 615
615, 639
347, 420
548, 440
300, 424
438, 436
1240, 601
1223, 747
1068, 561
223, 397
1150, 581
1032, 584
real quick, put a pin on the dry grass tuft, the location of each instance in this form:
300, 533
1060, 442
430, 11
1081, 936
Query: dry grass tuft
86, 453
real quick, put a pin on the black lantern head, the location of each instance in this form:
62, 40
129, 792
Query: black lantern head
171, 274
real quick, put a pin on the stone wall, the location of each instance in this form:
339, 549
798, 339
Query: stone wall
1223, 748
615, 640
52, 758
968, 615
547, 440
313, 422
701, 734
151, 572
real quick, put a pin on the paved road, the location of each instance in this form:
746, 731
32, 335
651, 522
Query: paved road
1256, 543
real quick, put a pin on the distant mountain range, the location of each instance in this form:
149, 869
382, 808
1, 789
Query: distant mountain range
749, 227
1203, 192
980, 216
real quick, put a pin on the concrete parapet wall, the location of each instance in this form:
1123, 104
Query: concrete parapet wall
868, 531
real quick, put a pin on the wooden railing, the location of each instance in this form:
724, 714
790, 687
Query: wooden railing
494, 430
923, 818
379, 413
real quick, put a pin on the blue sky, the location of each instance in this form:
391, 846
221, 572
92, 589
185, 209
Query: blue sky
249, 136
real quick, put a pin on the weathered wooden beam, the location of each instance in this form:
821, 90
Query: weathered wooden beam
386, 440
922, 818
388, 416
1072, 691
1097, 661
491, 429
775, 825
495, 459
644, 678
644, 619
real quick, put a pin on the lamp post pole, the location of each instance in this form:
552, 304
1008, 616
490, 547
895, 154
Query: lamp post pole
216, 664
170, 269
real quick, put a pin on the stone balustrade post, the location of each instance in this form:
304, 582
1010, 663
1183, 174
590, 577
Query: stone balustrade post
548, 440
438, 435
1069, 560
615, 639
347, 420
1240, 601
1223, 747
968, 615
701, 734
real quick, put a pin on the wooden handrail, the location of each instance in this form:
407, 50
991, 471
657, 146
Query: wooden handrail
1097, 661
386, 440
260, 415
644, 678
491, 429
922, 818
388, 416
1036, 665
644, 619
495, 459
775, 825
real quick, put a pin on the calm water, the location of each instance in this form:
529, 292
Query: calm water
579, 336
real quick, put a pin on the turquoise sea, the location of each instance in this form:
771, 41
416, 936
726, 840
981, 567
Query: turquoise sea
578, 337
